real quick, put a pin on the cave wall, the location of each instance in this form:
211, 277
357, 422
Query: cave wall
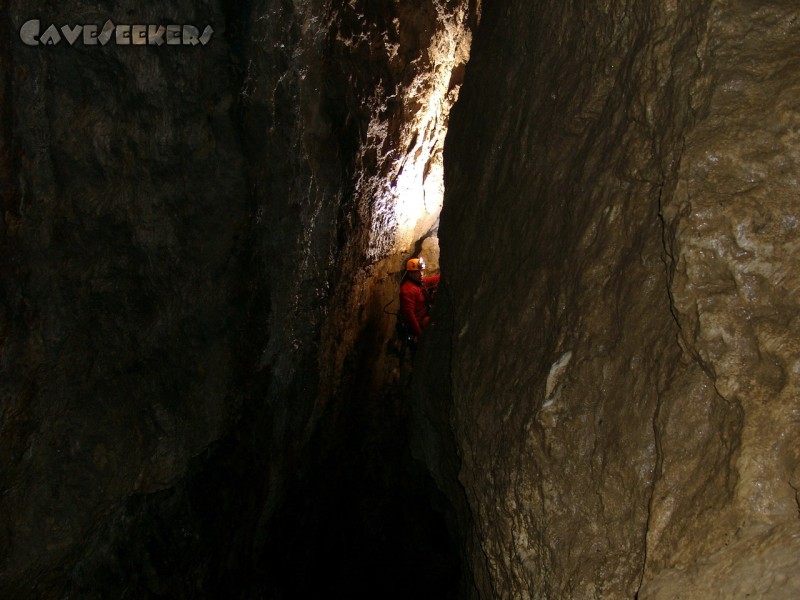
125, 212
181, 228
615, 365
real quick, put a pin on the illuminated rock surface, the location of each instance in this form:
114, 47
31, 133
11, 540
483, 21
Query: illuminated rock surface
199, 244
621, 244
183, 229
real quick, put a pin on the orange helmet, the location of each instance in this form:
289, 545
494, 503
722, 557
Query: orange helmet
415, 264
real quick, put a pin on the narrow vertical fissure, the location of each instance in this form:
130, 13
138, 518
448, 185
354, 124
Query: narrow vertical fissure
360, 511
202, 394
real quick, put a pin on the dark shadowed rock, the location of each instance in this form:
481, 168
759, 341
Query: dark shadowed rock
181, 226
199, 245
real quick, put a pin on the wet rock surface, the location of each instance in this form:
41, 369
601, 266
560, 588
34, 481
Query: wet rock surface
619, 243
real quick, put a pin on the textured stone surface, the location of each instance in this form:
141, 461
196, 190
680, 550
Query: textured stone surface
179, 223
619, 242
123, 226
732, 239
198, 245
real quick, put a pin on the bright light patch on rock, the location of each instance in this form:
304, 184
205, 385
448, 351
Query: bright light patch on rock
410, 197
556, 371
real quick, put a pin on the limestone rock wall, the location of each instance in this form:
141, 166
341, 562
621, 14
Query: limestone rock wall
615, 365
124, 216
176, 222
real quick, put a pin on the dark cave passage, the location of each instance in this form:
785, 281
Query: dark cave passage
363, 522
364, 519
196, 399
200, 402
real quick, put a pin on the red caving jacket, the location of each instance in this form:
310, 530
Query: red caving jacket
412, 303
